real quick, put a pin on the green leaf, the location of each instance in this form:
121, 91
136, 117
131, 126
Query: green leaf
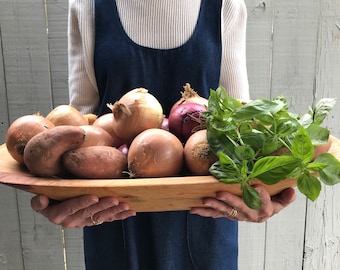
302, 146
322, 108
309, 185
286, 127
225, 170
272, 169
244, 152
331, 174
270, 145
256, 108
318, 135
251, 197
316, 166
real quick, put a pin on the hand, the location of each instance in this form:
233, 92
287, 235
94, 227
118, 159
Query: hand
87, 210
231, 206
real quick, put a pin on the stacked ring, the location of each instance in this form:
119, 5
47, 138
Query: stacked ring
95, 222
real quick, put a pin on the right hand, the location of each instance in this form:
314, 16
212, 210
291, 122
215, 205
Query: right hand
86, 210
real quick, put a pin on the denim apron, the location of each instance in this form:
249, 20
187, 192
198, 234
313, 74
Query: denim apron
174, 240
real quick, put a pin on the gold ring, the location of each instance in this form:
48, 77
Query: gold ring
94, 222
233, 213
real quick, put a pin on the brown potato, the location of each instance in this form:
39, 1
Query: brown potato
95, 162
43, 153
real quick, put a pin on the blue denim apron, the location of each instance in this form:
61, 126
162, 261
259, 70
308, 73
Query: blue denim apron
174, 240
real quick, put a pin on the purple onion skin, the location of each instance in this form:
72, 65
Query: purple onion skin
165, 124
124, 149
183, 119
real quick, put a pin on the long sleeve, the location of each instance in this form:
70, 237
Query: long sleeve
234, 75
83, 92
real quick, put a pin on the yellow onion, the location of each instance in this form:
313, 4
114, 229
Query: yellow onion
155, 153
197, 153
135, 112
21, 131
66, 115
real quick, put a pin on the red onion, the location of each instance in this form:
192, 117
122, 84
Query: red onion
185, 119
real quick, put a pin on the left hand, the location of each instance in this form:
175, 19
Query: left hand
233, 207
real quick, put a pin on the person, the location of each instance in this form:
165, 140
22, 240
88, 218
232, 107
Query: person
116, 46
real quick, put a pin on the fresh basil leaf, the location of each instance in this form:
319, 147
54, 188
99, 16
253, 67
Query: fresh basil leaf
220, 142
302, 146
322, 108
254, 108
306, 120
316, 166
309, 185
255, 139
245, 127
286, 127
331, 174
251, 197
226, 173
244, 152
272, 169
318, 135
270, 145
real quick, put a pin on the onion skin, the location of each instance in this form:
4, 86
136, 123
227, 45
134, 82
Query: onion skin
66, 115
190, 95
96, 136
107, 122
21, 131
135, 112
91, 117
185, 119
165, 124
197, 154
155, 153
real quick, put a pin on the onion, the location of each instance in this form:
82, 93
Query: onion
66, 115
190, 95
124, 149
155, 153
185, 119
107, 121
21, 131
96, 136
91, 117
197, 153
135, 112
165, 124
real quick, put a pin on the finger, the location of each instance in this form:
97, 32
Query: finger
121, 211
85, 217
59, 212
206, 212
39, 203
246, 213
283, 199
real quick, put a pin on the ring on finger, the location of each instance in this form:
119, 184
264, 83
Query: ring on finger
233, 213
95, 222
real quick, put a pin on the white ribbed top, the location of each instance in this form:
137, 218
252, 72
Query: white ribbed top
161, 24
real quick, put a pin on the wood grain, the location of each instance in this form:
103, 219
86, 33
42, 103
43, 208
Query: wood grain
143, 194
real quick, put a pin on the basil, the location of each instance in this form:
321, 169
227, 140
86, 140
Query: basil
263, 140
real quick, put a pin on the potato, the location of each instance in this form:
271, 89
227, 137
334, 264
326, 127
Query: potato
43, 153
95, 162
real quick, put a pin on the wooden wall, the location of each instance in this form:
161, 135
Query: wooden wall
293, 49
